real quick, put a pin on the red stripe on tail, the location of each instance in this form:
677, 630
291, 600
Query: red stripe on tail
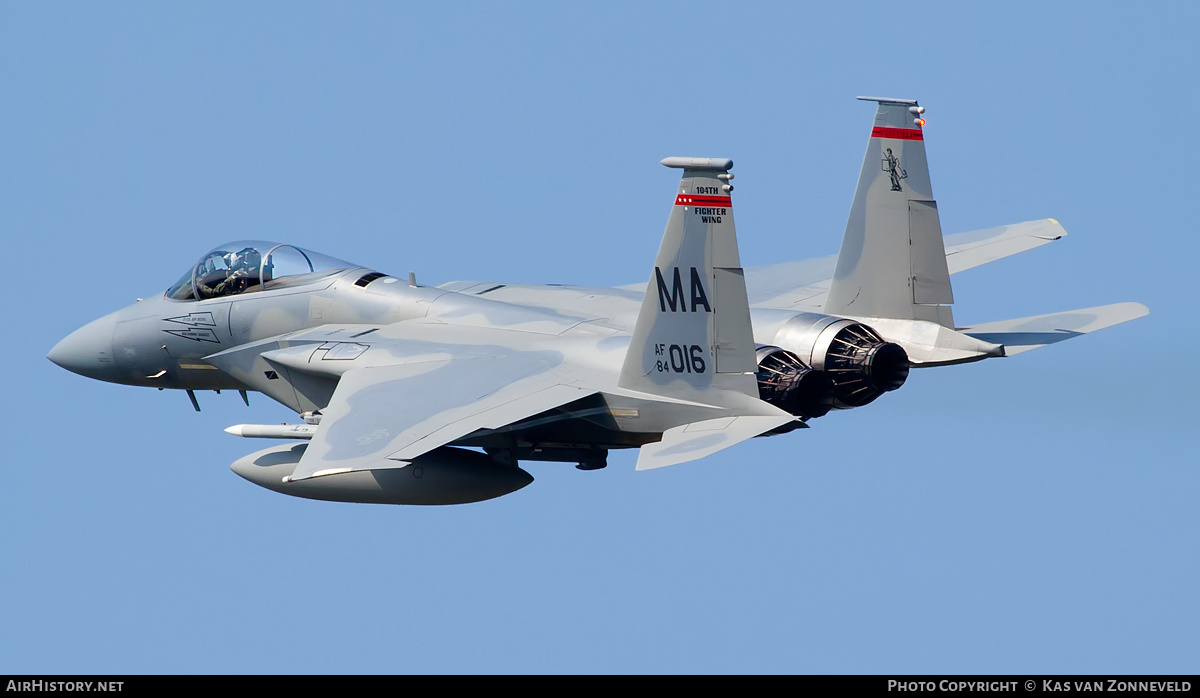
904, 134
694, 200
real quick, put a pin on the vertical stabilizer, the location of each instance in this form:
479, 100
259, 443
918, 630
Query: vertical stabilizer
893, 263
693, 332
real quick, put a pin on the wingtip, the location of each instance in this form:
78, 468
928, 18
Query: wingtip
1058, 233
1141, 309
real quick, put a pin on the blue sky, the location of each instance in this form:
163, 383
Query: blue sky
1029, 515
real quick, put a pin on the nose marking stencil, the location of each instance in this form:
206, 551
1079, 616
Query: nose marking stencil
197, 327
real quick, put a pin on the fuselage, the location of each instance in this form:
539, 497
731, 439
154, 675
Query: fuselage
288, 323
161, 342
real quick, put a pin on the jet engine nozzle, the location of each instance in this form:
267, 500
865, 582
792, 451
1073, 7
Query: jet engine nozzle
791, 385
862, 365
888, 366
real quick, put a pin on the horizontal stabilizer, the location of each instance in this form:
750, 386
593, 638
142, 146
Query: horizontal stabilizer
1027, 333
700, 439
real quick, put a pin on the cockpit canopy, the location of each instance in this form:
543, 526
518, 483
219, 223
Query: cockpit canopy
252, 265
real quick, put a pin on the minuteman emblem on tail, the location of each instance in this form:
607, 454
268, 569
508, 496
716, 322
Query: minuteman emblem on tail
891, 165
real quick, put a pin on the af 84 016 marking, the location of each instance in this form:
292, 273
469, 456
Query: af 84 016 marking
680, 358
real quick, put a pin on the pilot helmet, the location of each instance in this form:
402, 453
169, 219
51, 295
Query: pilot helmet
246, 258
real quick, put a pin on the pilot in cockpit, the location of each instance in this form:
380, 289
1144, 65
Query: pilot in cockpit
241, 271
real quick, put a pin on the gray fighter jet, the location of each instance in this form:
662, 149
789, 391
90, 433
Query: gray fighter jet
413, 394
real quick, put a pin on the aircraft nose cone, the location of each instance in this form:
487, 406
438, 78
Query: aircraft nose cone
88, 350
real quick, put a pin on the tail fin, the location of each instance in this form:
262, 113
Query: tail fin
893, 263
693, 332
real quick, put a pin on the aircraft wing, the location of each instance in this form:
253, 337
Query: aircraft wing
804, 285
797, 285
384, 416
969, 250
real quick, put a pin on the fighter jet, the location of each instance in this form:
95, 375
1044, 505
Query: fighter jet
416, 394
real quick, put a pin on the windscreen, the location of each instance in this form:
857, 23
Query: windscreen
252, 265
